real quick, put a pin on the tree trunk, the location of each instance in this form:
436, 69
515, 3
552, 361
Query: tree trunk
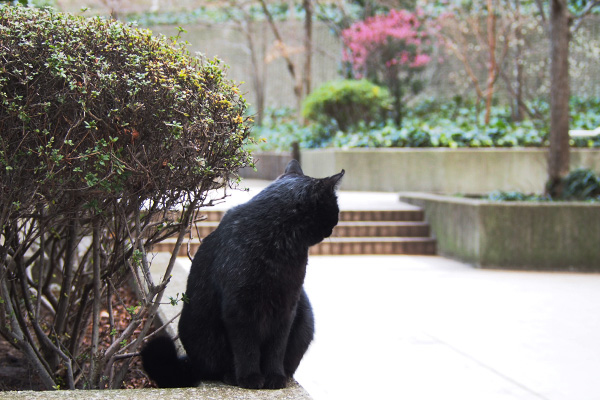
298, 92
491, 37
258, 67
517, 107
308, 46
558, 153
306, 83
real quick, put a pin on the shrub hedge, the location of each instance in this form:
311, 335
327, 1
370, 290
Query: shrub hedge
92, 106
344, 104
105, 130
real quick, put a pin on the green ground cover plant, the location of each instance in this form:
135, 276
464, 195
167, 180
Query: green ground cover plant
433, 123
579, 185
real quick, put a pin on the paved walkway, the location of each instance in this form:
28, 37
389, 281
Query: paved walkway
425, 327
418, 327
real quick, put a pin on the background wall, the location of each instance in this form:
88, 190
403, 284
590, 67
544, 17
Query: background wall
445, 79
441, 170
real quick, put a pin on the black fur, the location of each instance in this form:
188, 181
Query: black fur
248, 321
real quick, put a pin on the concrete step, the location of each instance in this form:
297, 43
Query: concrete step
167, 246
353, 228
401, 231
375, 245
213, 215
382, 215
350, 215
381, 229
338, 246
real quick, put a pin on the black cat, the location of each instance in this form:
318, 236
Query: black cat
248, 321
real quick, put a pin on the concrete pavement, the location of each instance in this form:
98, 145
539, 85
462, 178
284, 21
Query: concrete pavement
426, 327
418, 327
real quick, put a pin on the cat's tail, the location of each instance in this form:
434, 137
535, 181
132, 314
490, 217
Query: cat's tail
164, 366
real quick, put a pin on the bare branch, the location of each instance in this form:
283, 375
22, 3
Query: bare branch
463, 58
97, 296
280, 44
580, 17
162, 327
540, 5
65, 294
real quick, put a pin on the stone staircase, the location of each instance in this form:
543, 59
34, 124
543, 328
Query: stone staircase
358, 232
379, 232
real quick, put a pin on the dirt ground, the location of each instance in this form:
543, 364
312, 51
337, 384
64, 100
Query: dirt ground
17, 374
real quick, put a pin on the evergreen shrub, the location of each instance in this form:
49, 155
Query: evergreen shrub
344, 104
105, 130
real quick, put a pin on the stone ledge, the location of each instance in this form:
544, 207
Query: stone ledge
209, 390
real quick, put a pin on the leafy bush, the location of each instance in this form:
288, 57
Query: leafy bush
105, 131
346, 103
585, 113
581, 184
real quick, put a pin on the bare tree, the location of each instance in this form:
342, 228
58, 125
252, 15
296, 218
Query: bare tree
255, 47
518, 108
478, 39
302, 79
492, 63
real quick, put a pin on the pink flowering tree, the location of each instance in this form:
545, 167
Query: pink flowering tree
389, 50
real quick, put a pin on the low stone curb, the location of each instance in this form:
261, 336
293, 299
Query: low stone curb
211, 390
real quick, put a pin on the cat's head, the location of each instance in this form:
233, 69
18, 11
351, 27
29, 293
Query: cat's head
315, 201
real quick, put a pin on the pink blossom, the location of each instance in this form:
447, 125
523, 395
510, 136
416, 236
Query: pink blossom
404, 57
420, 60
400, 31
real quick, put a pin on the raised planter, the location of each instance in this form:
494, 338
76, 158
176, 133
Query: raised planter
441, 170
559, 236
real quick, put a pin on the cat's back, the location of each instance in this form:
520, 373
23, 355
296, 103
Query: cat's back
251, 225
264, 214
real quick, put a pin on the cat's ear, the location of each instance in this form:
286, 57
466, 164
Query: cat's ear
333, 182
293, 167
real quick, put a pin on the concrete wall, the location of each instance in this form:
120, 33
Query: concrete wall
440, 170
516, 235
269, 165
